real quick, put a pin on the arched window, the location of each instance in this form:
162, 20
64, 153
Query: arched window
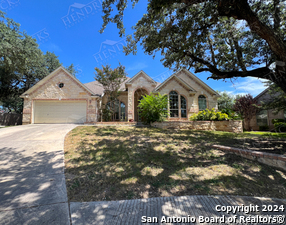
202, 102
183, 107
174, 104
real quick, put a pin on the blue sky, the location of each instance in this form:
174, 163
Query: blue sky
70, 28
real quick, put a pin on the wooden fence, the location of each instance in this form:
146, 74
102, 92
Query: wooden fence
10, 119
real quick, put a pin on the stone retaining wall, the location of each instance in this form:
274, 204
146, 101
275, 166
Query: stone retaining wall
234, 126
269, 159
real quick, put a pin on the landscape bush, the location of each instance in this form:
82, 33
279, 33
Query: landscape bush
153, 108
209, 115
264, 128
280, 126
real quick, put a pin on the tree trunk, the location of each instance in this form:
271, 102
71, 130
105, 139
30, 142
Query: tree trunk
248, 125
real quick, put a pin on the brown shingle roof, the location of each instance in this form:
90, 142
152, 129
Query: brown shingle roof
97, 88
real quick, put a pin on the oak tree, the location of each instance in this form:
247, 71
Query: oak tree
227, 38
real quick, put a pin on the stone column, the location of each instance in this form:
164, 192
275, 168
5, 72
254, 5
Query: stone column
130, 103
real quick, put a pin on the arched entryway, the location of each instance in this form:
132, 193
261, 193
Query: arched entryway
138, 95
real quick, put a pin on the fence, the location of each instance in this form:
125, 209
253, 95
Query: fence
10, 119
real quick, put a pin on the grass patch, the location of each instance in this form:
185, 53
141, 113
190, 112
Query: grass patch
115, 163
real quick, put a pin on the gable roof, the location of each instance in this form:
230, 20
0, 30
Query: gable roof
262, 93
174, 76
137, 74
41, 82
194, 77
98, 89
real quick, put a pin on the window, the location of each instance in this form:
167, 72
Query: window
122, 111
175, 107
118, 109
61, 85
174, 104
261, 118
183, 107
202, 102
285, 114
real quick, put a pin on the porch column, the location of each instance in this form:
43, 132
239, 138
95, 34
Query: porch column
130, 112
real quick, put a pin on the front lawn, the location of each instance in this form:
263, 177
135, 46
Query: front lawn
114, 163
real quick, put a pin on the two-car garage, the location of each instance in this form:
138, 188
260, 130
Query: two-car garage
59, 111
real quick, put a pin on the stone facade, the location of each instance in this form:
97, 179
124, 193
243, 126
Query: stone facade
49, 90
234, 126
183, 82
269, 114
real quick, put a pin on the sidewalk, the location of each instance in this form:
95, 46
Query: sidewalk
193, 209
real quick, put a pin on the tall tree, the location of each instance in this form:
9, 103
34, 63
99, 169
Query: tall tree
22, 63
227, 38
111, 80
225, 101
73, 71
246, 107
51, 61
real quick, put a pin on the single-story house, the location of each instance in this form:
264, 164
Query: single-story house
61, 98
265, 117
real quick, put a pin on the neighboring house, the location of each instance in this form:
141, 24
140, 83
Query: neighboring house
265, 117
61, 98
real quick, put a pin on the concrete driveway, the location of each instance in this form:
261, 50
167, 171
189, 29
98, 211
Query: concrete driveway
32, 182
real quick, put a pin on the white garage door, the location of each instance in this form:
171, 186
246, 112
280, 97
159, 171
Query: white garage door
60, 112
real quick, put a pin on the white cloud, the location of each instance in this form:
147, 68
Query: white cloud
137, 66
250, 85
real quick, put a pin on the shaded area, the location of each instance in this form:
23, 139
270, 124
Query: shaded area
114, 163
10, 119
32, 182
28, 181
191, 208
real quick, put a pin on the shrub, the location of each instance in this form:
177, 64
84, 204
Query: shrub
277, 120
280, 126
106, 115
153, 108
232, 115
209, 115
264, 128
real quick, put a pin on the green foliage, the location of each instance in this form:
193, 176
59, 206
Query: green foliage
22, 63
280, 127
228, 39
153, 108
209, 115
225, 101
277, 100
111, 80
232, 115
277, 121
51, 61
264, 128
107, 114
72, 70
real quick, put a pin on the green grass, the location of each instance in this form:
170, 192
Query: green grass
114, 163
266, 134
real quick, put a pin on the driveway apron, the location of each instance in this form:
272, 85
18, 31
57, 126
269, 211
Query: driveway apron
32, 181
